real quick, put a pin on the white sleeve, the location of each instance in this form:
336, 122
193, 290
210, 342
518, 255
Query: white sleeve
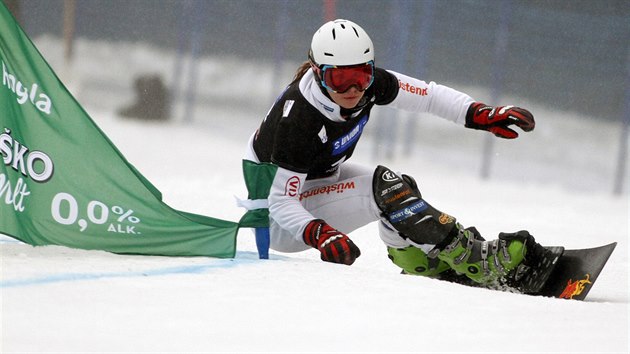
418, 96
284, 201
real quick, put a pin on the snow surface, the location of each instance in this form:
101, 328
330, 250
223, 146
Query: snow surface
555, 182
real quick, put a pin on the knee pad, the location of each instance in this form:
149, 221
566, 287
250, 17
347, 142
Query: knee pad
401, 204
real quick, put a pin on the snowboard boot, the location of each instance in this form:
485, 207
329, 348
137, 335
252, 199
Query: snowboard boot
463, 250
485, 262
414, 261
401, 204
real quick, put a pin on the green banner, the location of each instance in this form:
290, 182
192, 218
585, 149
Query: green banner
64, 183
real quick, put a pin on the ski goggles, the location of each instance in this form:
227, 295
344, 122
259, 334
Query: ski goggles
340, 79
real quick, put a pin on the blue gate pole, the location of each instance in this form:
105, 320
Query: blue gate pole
262, 242
622, 158
498, 75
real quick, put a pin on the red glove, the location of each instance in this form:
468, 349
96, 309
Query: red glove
334, 246
498, 119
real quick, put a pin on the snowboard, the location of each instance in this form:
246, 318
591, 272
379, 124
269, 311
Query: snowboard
563, 274
575, 272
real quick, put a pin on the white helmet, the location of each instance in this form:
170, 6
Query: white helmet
341, 42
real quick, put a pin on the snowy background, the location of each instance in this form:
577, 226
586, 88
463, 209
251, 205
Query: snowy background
556, 182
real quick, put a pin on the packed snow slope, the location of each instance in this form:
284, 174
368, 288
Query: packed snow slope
555, 182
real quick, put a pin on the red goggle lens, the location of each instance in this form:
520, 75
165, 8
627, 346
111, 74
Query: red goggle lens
340, 79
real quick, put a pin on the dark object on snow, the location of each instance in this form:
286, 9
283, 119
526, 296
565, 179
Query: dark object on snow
152, 101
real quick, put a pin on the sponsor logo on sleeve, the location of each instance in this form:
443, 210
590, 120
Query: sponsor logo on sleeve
325, 190
416, 90
292, 187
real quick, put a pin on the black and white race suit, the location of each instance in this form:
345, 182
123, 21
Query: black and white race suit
310, 138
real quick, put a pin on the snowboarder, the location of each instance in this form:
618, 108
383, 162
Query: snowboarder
316, 197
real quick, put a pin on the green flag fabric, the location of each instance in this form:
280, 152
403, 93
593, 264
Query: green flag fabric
258, 180
63, 182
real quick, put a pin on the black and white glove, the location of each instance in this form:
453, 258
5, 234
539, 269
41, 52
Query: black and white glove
334, 246
498, 120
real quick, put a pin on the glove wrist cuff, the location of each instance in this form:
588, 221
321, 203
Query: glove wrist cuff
473, 110
312, 232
